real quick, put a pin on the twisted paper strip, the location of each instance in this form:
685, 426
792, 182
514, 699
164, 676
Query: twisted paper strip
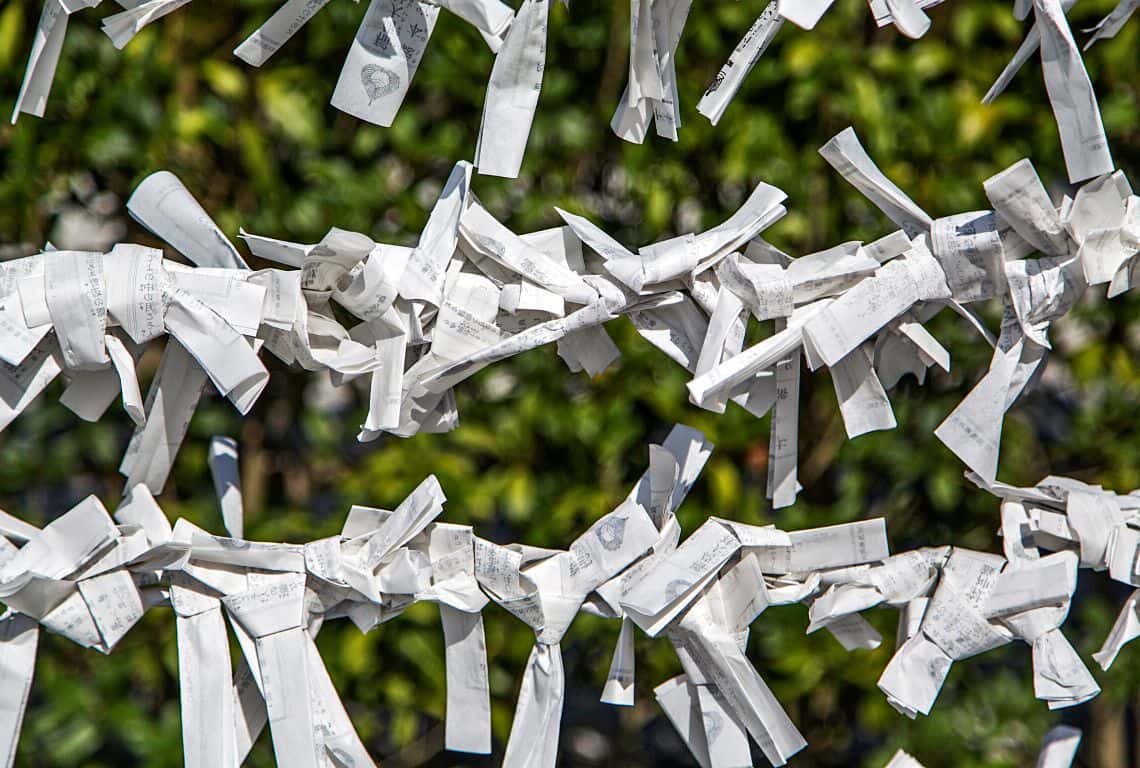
90, 578
394, 35
472, 292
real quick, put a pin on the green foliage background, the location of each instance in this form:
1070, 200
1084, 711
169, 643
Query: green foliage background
540, 452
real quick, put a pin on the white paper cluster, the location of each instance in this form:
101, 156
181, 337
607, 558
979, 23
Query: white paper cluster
394, 34
473, 292
90, 576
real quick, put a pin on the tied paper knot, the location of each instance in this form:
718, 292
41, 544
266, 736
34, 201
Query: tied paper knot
78, 295
982, 602
76, 298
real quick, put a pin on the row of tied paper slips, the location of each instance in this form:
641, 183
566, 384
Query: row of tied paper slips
473, 292
90, 577
394, 34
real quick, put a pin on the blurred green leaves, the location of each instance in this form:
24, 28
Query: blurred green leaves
541, 453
